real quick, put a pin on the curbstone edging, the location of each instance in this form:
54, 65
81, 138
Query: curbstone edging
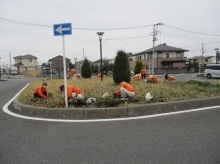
111, 112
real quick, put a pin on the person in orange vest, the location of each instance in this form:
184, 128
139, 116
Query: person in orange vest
41, 91
137, 77
99, 75
78, 75
69, 76
143, 73
125, 91
73, 71
152, 79
171, 78
73, 92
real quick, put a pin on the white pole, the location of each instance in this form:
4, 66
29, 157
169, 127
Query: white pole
64, 72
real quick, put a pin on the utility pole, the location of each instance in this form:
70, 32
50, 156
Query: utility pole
10, 63
83, 54
154, 39
202, 54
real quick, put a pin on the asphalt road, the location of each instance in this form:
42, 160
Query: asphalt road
182, 138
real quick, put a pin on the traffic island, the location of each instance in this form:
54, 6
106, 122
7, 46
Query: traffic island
110, 112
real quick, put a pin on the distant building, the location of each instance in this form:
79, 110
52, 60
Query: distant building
79, 65
25, 63
202, 59
57, 63
164, 57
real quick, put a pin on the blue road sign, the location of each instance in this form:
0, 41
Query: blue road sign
62, 29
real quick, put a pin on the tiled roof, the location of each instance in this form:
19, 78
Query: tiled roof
200, 57
164, 48
28, 56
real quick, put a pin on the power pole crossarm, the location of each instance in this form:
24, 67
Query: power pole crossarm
154, 39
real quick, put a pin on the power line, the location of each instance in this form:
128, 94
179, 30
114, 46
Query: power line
191, 31
76, 28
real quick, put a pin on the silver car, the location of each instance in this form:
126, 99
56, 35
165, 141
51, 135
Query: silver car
212, 71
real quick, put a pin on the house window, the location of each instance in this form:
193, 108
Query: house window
29, 60
178, 55
148, 56
167, 55
131, 59
144, 56
139, 57
206, 60
159, 55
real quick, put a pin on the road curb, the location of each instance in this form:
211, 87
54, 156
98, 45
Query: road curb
110, 112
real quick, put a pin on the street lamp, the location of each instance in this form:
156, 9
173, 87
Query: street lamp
217, 55
100, 34
75, 63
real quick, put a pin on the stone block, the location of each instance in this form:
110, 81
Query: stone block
166, 107
182, 105
150, 109
53, 112
75, 113
214, 101
196, 103
135, 110
116, 112
94, 113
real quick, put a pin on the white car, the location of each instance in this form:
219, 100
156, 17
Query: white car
212, 71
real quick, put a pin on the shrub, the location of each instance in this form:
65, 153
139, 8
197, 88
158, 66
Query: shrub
138, 66
86, 69
121, 68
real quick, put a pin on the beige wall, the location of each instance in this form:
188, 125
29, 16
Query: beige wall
27, 65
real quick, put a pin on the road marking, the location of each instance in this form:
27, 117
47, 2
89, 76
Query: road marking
6, 110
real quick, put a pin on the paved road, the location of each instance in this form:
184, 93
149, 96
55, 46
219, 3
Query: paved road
183, 138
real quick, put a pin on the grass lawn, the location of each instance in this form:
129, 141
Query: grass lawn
163, 91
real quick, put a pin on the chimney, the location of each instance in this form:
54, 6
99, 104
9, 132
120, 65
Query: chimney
164, 44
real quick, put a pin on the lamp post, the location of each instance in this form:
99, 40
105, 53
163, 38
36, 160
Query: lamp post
75, 63
217, 55
100, 34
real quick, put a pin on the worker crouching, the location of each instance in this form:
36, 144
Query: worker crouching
152, 79
170, 78
125, 91
73, 93
137, 77
41, 91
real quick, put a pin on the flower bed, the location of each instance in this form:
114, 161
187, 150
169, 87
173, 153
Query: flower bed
163, 91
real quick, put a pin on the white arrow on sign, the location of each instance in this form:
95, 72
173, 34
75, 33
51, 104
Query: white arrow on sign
60, 29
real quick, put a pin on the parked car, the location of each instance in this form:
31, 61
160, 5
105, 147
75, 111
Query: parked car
48, 72
212, 71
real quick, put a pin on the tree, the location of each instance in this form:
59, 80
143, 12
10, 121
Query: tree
96, 69
71, 65
86, 69
106, 67
93, 68
121, 68
138, 66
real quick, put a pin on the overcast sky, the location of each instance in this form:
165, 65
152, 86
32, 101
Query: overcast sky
26, 27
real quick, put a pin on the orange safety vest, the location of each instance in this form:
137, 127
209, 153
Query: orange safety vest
39, 90
72, 89
143, 71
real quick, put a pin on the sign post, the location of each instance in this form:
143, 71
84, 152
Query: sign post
61, 30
